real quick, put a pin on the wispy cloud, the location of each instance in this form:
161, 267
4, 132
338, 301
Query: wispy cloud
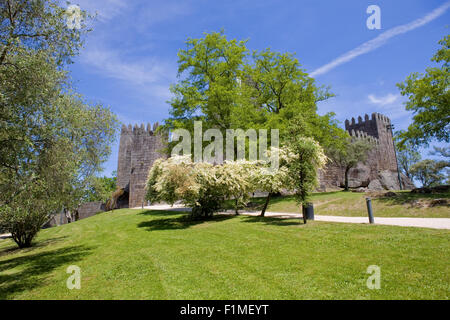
150, 74
105, 9
381, 40
382, 101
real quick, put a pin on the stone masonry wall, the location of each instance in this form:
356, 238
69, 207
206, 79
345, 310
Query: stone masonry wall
381, 158
139, 148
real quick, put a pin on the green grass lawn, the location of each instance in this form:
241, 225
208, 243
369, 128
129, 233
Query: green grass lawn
133, 254
353, 204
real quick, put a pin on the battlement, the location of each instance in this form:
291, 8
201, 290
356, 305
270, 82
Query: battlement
140, 130
376, 128
363, 135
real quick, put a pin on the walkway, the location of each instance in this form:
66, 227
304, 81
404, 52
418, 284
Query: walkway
434, 223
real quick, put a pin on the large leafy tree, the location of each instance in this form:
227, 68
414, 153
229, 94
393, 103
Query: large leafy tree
51, 141
226, 87
429, 99
208, 88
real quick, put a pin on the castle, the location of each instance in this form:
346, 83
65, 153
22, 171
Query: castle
140, 146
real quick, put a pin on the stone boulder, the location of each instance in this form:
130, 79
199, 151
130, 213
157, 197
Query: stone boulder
359, 176
375, 185
389, 180
407, 184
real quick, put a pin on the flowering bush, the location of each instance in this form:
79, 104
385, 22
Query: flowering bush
204, 187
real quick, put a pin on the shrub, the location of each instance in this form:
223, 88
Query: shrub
204, 187
23, 220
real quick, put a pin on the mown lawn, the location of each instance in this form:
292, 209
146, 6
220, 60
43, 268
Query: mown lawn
134, 254
352, 204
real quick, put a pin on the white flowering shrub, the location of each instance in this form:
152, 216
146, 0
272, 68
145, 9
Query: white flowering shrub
204, 187
237, 180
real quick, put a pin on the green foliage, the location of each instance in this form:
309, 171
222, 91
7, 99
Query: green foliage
407, 155
198, 185
101, 188
430, 172
429, 100
204, 187
27, 212
303, 169
209, 90
52, 141
227, 87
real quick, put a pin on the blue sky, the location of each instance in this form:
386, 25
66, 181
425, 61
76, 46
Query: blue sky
130, 58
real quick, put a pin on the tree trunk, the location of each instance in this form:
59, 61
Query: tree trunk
236, 207
346, 178
263, 212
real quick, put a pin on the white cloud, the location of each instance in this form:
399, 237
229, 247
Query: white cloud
381, 40
105, 9
150, 75
382, 101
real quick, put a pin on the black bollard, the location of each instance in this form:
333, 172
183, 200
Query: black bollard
308, 212
369, 210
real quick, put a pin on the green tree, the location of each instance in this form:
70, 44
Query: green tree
208, 89
51, 141
355, 150
407, 155
429, 172
226, 87
443, 152
101, 188
429, 100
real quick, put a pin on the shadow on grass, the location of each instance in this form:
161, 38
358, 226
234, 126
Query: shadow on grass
174, 212
274, 221
36, 244
183, 222
35, 268
257, 203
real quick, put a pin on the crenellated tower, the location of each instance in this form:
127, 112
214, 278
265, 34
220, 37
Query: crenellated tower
383, 156
139, 147
381, 164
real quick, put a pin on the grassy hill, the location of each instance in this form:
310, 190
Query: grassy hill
134, 254
404, 204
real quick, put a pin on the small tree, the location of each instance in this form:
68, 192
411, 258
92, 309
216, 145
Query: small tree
25, 218
355, 150
299, 163
407, 155
303, 168
101, 188
430, 172
236, 181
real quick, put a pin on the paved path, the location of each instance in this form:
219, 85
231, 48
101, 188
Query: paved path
435, 223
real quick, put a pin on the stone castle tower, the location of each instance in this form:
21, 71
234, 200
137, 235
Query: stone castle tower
139, 147
381, 165
379, 127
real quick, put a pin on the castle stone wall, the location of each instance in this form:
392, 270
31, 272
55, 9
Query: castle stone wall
381, 158
139, 148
